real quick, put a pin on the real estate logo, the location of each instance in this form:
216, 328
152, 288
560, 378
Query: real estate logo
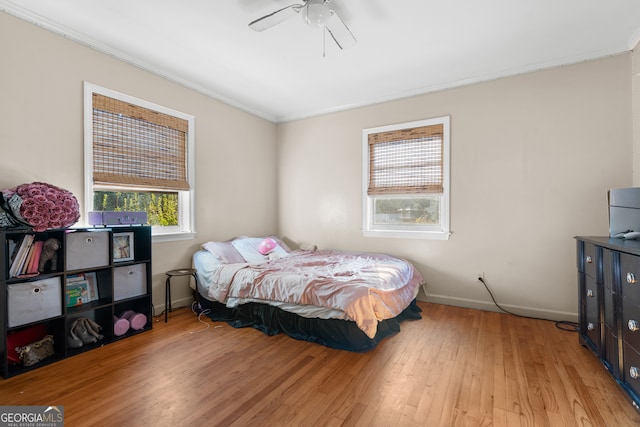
31, 416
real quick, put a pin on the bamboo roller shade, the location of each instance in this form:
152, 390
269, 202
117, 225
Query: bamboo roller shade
138, 147
406, 161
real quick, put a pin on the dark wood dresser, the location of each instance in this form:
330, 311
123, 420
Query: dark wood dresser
609, 310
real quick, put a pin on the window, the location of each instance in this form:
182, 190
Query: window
406, 180
139, 157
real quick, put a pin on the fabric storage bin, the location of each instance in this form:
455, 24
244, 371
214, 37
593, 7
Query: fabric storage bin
129, 281
87, 249
33, 301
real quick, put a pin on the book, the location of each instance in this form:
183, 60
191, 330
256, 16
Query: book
15, 256
21, 256
35, 261
14, 245
92, 281
77, 293
28, 259
75, 278
92, 284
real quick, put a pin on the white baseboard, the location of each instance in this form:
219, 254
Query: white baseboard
177, 303
490, 306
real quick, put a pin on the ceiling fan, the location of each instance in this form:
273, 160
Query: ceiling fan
315, 13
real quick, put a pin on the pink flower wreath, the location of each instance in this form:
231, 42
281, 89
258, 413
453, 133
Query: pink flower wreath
38, 205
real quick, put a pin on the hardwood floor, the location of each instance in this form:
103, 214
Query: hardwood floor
454, 367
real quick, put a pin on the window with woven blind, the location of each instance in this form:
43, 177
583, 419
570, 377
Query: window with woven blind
137, 147
405, 179
139, 157
406, 161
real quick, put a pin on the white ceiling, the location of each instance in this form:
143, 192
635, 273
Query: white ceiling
405, 47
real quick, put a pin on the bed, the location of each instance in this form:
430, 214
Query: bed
340, 299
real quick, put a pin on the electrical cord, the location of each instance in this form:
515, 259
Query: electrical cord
199, 311
560, 324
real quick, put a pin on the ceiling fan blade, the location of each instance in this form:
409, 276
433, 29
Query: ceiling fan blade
275, 18
340, 32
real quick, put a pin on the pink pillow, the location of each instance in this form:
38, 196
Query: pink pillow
267, 245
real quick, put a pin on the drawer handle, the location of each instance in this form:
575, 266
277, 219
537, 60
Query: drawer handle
632, 325
589, 259
89, 239
590, 293
591, 326
634, 372
631, 278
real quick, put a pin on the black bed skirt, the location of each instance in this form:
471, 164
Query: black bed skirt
334, 333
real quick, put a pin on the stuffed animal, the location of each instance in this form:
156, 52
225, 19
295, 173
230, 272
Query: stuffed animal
269, 248
49, 253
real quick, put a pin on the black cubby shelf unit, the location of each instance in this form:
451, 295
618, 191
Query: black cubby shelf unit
89, 277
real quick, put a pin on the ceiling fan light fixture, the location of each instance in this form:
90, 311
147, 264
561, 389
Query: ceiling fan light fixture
316, 13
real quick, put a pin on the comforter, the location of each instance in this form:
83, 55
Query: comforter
367, 287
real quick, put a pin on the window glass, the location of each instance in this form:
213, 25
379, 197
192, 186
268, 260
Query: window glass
406, 180
161, 208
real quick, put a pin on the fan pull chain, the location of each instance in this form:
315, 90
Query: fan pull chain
324, 42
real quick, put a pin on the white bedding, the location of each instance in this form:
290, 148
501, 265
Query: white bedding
361, 287
205, 263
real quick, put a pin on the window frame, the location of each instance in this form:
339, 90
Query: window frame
186, 198
440, 231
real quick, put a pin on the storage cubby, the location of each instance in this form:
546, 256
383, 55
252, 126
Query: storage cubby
101, 280
89, 277
137, 305
101, 316
87, 249
54, 327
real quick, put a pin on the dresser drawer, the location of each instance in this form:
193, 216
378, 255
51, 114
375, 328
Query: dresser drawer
631, 369
87, 249
592, 322
631, 323
630, 277
590, 260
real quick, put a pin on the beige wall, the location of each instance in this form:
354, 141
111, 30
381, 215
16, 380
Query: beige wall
41, 125
532, 157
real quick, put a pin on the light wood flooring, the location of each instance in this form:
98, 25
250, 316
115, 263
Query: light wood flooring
455, 367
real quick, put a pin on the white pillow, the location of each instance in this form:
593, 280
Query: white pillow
248, 248
223, 251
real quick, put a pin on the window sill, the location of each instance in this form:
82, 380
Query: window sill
172, 237
398, 234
